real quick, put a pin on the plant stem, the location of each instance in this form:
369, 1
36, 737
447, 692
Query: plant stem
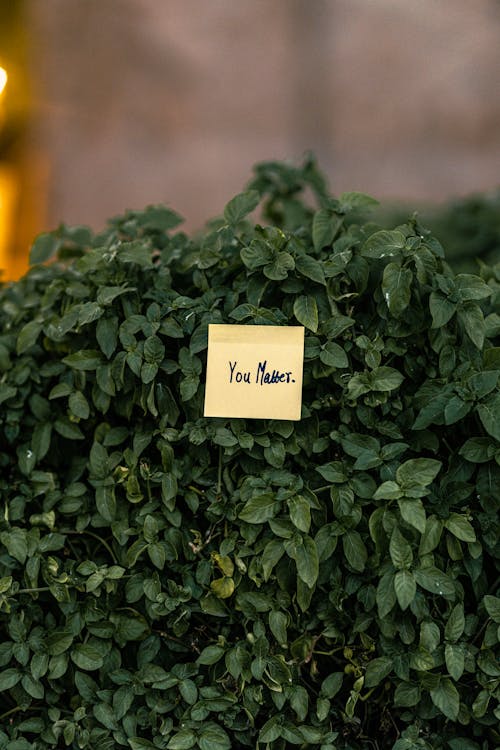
10, 712
95, 536
219, 474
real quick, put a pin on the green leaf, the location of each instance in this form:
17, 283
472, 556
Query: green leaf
259, 509
446, 698
400, 550
406, 695
489, 414
59, 642
159, 218
213, 737
44, 247
434, 580
384, 243
16, 543
469, 287
106, 294
432, 412
472, 318
210, 655
86, 657
137, 252
311, 268
385, 379
460, 527
480, 705
85, 360
431, 536
278, 622
354, 550
377, 670
418, 472
223, 587
332, 684
413, 512
28, 336
324, 227
333, 355
300, 513
271, 555
182, 740
303, 551
78, 405
9, 678
456, 409
455, 624
388, 491
154, 350
256, 255
240, 206
354, 201
188, 691
441, 309
478, 450
405, 588
386, 595
68, 429
492, 604
106, 503
137, 743
6, 392
280, 266
299, 702
305, 310
271, 729
104, 714
396, 288
455, 660
107, 334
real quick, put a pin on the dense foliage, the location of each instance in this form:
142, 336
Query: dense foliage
171, 581
468, 227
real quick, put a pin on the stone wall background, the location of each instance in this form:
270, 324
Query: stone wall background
146, 101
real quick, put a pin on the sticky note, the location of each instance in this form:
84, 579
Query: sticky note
254, 371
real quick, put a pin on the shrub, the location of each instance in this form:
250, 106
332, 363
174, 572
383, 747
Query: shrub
171, 581
468, 227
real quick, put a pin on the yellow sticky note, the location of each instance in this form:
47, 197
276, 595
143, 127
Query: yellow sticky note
254, 371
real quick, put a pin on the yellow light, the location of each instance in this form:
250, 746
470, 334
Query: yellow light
3, 79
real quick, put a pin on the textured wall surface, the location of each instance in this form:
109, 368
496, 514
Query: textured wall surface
142, 101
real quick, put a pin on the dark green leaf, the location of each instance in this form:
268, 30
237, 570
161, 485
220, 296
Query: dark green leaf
240, 206
259, 509
446, 698
311, 268
384, 243
354, 550
489, 414
377, 670
324, 227
396, 287
28, 336
86, 359
405, 588
305, 310
44, 247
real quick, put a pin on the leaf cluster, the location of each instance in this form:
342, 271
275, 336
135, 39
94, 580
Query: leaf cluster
171, 581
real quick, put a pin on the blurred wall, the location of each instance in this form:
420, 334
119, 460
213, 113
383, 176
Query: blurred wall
141, 101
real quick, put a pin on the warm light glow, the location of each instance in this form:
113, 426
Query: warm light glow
3, 79
8, 198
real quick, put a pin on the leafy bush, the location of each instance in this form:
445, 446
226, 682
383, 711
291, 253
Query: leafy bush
468, 227
171, 581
